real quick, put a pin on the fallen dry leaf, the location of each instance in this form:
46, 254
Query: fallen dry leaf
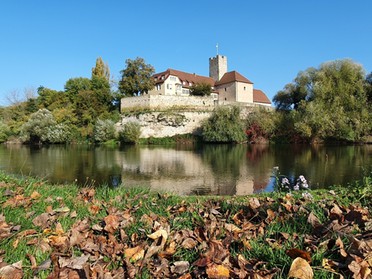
180, 267
217, 271
130, 252
254, 203
35, 195
112, 223
13, 271
295, 253
74, 262
159, 233
300, 269
360, 268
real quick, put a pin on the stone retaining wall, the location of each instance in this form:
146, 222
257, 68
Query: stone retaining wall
167, 124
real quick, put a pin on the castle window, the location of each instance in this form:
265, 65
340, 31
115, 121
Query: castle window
158, 87
244, 88
225, 89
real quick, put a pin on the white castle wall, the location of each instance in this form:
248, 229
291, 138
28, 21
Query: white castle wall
161, 102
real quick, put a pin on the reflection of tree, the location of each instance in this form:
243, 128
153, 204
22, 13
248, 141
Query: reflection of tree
225, 160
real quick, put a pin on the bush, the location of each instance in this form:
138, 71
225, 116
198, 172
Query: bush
4, 131
104, 130
130, 133
59, 133
36, 129
224, 126
261, 124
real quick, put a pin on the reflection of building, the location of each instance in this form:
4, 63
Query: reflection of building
170, 170
183, 172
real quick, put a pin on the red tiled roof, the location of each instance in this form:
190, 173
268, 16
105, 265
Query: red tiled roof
183, 76
232, 77
260, 97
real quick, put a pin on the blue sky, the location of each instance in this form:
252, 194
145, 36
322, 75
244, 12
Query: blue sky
45, 43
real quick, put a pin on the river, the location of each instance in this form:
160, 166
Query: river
189, 170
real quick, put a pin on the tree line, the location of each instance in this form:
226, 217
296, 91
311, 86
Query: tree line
86, 110
330, 103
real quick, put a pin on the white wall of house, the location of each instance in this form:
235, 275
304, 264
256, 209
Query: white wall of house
172, 86
244, 92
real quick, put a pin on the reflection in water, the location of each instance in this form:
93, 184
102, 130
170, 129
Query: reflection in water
205, 169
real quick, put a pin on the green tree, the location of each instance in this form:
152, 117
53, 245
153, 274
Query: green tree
101, 70
299, 90
336, 104
51, 99
201, 89
75, 85
224, 125
368, 87
136, 78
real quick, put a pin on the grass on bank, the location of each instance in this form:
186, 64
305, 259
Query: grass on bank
22, 200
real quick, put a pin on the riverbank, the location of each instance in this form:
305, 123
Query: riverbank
52, 231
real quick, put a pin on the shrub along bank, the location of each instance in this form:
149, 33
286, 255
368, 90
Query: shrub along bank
63, 231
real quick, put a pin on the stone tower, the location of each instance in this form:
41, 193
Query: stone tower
217, 67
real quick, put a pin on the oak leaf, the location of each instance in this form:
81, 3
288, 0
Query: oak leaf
300, 269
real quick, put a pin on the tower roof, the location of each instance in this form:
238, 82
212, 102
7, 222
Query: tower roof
232, 76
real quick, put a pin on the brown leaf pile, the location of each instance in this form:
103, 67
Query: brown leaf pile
218, 237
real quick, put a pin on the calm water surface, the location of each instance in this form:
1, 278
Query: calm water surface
205, 169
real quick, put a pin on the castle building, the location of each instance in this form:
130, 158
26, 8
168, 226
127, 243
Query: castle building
227, 87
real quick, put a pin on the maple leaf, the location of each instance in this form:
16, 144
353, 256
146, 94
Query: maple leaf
300, 269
